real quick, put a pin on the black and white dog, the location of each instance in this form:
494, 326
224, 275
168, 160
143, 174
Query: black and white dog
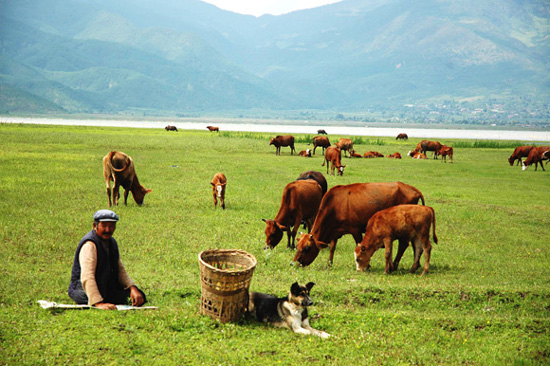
287, 312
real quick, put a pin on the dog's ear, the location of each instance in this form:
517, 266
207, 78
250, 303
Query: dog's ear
309, 286
295, 288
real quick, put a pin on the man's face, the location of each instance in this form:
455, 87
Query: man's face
105, 229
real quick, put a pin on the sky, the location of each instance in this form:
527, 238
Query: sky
274, 7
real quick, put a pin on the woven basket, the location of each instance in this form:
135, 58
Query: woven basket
225, 278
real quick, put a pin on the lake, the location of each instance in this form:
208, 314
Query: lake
306, 127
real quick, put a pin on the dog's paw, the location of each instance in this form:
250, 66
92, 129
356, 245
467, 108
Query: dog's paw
324, 335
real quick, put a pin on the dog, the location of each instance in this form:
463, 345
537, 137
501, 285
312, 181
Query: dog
285, 312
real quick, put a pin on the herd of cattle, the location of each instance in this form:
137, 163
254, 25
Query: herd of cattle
375, 214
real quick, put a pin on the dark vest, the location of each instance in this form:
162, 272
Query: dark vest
106, 273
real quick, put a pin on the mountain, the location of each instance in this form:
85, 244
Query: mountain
186, 56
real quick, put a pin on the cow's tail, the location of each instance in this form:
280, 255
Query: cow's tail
111, 154
420, 194
433, 223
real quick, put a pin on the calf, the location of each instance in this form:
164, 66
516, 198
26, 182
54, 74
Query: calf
345, 145
333, 156
395, 155
406, 223
417, 155
171, 128
322, 141
373, 154
519, 152
119, 168
355, 155
278, 141
300, 202
219, 181
213, 129
446, 151
306, 153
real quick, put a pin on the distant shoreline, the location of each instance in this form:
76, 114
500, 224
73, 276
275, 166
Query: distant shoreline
305, 127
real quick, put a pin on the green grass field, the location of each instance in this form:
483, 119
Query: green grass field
486, 300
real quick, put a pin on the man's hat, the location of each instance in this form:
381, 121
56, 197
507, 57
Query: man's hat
105, 215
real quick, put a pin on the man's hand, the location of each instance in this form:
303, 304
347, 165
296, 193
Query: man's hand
105, 306
136, 297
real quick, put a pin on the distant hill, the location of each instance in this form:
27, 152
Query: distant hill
181, 56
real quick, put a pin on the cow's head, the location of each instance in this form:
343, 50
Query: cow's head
362, 257
511, 161
272, 141
341, 169
273, 233
307, 249
138, 191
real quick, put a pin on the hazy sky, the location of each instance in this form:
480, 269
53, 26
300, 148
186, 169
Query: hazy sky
260, 7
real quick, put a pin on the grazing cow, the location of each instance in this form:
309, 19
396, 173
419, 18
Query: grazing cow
427, 145
322, 141
316, 176
345, 145
373, 154
536, 156
446, 151
519, 152
417, 155
321, 132
219, 181
402, 136
212, 129
333, 155
171, 128
395, 155
346, 209
300, 202
406, 223
119, 168
306, 153
278, 141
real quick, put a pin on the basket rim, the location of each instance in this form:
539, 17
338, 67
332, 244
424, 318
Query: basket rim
228, 251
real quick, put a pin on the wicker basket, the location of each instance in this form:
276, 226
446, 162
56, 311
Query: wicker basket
225, 278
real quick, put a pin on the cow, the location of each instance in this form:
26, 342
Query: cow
446, 151
345, 145
306, 153
402, 136
333, 155
417, 155
278, 141
316, 176
171, 128
427, 145
406, 223
355, 155
346, 209
536, 156
119, 168
395, 155
219, 181
300, 202
373, 154
519, 152
321, 132
213, 129
322, 141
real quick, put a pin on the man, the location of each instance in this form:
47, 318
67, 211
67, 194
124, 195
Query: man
98, 277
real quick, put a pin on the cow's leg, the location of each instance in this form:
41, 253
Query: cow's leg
332, 248
403, 244
215, 199
542, 165
417, 243
126, 191
427, 246
116, 193
388, 254
292, 149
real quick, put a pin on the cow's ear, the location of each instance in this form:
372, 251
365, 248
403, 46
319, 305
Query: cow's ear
282, 227
213, 185
264, 220
309, 286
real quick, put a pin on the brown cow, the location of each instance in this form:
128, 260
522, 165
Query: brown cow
278, 141
306, 153
322, 141
119, 168
219, 181
300, 202
417, 155
536, 156
346, 209
446, 151
395, 155
316, 176
355, 155
406, 223
345, 145
519, 152
171, 128
333, 156
373, 154
402, 136
212, 129
427, 145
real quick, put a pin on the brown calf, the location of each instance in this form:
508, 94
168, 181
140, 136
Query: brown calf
322, 141
373, 154
219, 181
333, 156
406, 223
119, 168
446, 151
212, 129
345, 145
306, 153
395, 155
278, 141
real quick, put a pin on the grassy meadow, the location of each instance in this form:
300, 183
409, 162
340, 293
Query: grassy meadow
486, 300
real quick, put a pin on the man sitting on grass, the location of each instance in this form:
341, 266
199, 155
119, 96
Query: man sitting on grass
98, 277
